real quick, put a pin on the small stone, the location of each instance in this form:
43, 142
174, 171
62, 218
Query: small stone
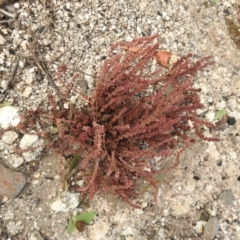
232, 104
28, 141
83, 86
66, 106
210, 100
17, 5
11, 182
9, 215
73, 99
15, 160
9, 137
9, 117
142, 5
31, 141
100, 229
173, 59
67, 202
16, 40
4, 31
15, 227
35, 236
24, 45
144, 204
149, 21
211, 229
227, 197
4, 199
21, 64
68, 5
33, 155
211, 209
221, 105
37, 175
29, 79
2, 40
88, 77
210, 116
231, 121
196, 178
80, 183
4, 84
47, 41
199, 227
27, 92
34, 202
139, 30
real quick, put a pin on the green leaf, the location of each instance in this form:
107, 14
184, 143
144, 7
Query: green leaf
53, 130
85, 217
71, 226
213, 1
74, 163
220, 114
5, 104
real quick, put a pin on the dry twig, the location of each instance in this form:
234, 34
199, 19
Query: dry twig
11, 81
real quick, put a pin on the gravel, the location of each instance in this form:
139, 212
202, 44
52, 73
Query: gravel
201, 197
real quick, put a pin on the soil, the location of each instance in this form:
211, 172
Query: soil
198, 200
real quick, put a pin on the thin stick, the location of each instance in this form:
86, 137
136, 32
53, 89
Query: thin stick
44, 70
12, 15
40, 64
10, 84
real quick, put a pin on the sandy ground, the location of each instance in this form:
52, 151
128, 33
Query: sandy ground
201, 198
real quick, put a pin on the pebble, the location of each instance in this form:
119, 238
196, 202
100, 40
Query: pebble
67, 202
232, 104
30, 156
211, 229
17, 5
29, 141
2, 40
9, 117
4, 83
100, 229
15, 227
11, 182
227, 197
200, 226
211, 209
231, 121
221, 105
29, 79
9, 215
139, 30
35, 236
80, 183
88, 77
83, 86
210, 116
144, 204
15, 160
27, 92
9, 137
24, 45
142, 5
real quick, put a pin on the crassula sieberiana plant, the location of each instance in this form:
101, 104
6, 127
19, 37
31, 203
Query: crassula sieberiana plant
134, 114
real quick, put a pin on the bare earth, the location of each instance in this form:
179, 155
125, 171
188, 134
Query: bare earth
201, 198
